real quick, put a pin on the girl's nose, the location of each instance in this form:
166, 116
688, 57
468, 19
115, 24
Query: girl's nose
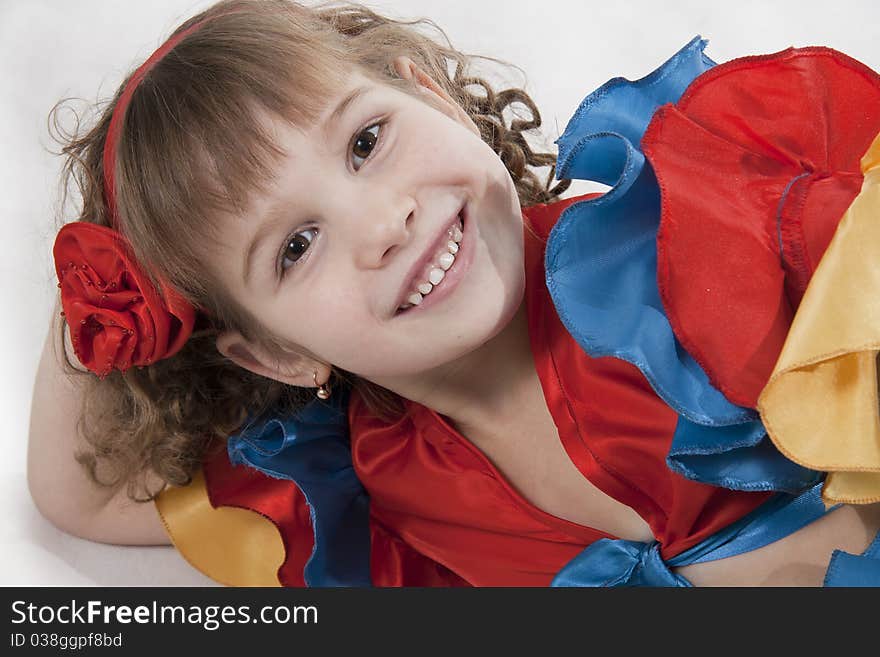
381, 234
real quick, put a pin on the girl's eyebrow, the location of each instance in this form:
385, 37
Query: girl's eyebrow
341, 108
269, 222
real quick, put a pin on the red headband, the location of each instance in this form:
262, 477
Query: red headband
116, 316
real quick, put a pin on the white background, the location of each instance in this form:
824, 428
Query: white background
51, 49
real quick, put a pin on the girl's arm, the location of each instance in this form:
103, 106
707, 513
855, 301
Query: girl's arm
58, 484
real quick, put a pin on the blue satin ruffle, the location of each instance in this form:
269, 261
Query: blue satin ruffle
601, 271
618, 562
313, 450
739, 457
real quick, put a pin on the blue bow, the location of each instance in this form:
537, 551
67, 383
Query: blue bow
619, 562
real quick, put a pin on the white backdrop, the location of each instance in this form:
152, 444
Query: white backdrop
51, 49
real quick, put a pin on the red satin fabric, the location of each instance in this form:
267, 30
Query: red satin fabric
116, 316
442, 515
758, 152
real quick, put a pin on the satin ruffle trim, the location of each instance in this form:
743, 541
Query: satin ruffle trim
232, 546
601, 271
821, 404
312, 449
757, 162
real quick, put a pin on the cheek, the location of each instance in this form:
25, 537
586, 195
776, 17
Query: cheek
442, 146
499, 215
342, 331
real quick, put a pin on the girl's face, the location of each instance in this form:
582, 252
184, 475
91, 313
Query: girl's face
355, 226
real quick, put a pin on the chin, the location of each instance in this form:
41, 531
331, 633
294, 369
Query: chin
486, 322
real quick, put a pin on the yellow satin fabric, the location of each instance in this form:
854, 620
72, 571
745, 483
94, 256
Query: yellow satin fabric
820, 405
235, 547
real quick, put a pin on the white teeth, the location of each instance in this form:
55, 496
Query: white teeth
437, 273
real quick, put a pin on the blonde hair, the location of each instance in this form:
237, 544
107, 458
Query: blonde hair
192, 144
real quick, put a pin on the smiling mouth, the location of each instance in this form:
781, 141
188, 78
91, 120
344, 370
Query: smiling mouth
442, 263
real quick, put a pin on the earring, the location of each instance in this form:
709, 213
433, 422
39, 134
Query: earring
323, 389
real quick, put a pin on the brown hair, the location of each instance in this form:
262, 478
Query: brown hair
192, 144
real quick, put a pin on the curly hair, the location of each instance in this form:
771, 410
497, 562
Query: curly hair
199, 106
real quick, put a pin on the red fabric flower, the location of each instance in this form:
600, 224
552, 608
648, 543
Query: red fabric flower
116, 316
756, 163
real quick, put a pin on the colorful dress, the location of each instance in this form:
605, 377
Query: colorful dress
681, 331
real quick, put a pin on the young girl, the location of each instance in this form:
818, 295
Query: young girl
319, 307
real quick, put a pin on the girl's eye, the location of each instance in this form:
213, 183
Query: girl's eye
363, 144
295, 247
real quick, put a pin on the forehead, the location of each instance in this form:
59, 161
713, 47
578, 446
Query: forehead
291, 140
335, 98
353, 86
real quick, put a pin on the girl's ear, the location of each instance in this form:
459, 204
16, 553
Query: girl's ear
294, 369
436, 95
